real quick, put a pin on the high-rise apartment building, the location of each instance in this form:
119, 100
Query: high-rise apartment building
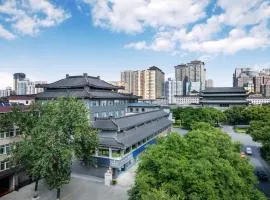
266, 89
190, 74
148, 84
16, 78
209, 83
153, 83
252, 80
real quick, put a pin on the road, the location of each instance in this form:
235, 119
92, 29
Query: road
256, 159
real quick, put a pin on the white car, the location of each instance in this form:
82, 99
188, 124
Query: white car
249, 151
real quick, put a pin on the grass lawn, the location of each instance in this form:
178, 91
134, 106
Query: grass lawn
240, 130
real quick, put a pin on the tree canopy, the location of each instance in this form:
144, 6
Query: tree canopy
204, 164
245, 114
60, 129
188, 116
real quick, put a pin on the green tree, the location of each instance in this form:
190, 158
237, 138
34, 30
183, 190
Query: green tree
260, 132
204, 164
62, 129
189, 116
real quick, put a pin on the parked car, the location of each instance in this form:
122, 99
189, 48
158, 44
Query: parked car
261, 174
248, 151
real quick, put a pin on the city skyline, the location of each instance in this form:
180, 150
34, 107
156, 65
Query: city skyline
47, 39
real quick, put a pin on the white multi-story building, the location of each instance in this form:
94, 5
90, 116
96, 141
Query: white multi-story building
6, 92
173, 88
258, 100
187, 100
23, 86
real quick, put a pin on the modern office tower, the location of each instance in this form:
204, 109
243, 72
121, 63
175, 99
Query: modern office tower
147, 84
209, 83
172, 89
189, 73
17, 77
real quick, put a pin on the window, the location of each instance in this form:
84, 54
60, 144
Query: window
2, 134
137, 109
5, 149
110, 103
2, 149
116, 153
116, 101
2, 166
11, 132
103, 152
110, 114
131, 109
143, 109
103, 114
103, 103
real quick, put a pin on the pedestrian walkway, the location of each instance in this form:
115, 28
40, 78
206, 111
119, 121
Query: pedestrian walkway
127, 178
77, 189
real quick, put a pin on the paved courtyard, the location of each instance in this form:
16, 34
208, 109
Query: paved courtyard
80, 188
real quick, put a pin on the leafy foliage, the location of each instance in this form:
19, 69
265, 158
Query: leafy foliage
58, 129
188, 116
260, 131
204, 164
245, 114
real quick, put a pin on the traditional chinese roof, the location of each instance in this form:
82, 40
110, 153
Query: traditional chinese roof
126, 131
83, 87
80, 82
224, 90
126, 122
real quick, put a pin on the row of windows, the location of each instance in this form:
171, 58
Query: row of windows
110, 114
4, 165
107, 102
9, 133
5, 149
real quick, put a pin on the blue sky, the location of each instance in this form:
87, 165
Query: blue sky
48, 38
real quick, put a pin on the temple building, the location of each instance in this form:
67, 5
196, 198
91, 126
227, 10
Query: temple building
126, 127
223, 96
100, 97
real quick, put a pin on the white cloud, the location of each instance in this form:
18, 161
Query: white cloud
181, 26
134, 16
30, 16
6, 34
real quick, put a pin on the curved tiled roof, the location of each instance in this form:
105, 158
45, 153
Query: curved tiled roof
81, 81
224, 90
126, 122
